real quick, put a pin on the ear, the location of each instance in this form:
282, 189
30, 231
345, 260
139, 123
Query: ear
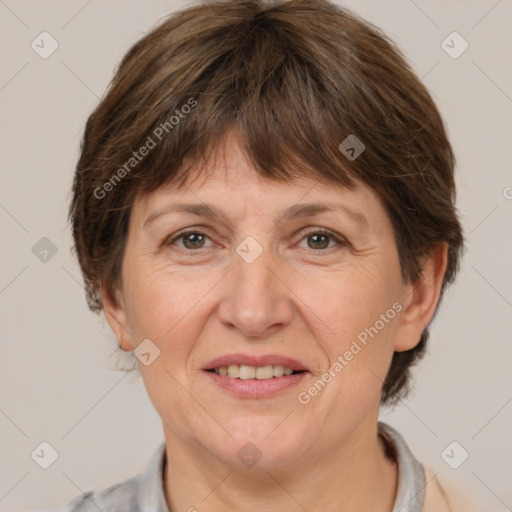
115, 312
419, 299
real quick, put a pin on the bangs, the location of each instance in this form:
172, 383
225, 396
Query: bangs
277, 107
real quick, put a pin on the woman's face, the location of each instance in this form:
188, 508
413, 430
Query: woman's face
271, 281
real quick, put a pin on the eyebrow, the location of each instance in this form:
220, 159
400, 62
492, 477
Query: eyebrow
293, 212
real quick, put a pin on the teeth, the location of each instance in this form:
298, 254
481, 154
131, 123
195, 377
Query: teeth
245, 372
234, 371
278, 371
264, 372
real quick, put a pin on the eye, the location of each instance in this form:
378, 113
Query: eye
321, 238
192, 240
318, 239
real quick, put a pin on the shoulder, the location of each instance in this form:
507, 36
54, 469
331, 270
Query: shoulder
120, 497
144, 491
444, 494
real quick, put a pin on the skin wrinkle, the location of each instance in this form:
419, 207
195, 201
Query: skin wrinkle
184, 85
289, 302
250, 107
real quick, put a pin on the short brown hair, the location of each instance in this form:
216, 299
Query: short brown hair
295, 79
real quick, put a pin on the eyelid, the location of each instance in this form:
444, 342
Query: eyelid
171, 239
340, 240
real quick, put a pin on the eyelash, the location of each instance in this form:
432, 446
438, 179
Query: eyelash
319, 231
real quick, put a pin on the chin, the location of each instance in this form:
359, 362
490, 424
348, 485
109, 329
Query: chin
261, 442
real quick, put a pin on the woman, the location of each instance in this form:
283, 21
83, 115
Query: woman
264, 209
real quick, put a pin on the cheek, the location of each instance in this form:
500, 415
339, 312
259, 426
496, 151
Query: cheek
351, 302
356, 309
159, 299
171, 309
165, 307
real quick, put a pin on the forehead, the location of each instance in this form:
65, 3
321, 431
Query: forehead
230, 183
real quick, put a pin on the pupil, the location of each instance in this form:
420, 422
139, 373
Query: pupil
316, 237
193, 238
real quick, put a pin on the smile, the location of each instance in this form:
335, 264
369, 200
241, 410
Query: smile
245, 372
245, 383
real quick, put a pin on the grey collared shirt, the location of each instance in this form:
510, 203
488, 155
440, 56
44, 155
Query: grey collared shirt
145, 492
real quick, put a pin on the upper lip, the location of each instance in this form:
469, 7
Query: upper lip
253, 360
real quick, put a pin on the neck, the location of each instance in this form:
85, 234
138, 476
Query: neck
354, 475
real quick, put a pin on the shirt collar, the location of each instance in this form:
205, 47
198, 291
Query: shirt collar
409, 495
411, 476
151, 494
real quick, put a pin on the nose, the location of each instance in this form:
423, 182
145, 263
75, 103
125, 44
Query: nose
256, 300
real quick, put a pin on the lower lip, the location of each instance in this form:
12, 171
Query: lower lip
255, 388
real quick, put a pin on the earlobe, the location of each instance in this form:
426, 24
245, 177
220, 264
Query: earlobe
420, 299
115, 313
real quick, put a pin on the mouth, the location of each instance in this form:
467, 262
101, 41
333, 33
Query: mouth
252, 377
246, 372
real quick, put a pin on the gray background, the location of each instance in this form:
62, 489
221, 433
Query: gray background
58, 377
